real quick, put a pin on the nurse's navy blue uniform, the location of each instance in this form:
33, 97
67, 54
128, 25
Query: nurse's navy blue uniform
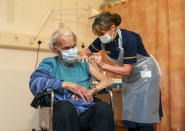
132, 45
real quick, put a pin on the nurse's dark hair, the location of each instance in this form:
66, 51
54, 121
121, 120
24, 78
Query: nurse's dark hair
104, 21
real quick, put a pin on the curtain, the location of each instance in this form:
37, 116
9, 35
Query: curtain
161, 24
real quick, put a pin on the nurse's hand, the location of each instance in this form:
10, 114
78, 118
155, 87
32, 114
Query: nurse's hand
97, 59
83, 58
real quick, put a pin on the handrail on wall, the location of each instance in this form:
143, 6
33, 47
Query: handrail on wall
41, 26
112, 2
91, 11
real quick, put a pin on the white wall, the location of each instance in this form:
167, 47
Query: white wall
26, 17
15, 96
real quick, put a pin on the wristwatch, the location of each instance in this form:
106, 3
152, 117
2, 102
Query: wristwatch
95, 89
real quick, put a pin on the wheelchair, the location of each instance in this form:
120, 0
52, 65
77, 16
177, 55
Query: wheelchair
45, 104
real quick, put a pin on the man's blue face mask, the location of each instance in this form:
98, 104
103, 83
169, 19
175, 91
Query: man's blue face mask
70, 55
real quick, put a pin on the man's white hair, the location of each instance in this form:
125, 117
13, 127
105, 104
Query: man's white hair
54, 37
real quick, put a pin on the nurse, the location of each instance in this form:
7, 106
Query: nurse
140, 71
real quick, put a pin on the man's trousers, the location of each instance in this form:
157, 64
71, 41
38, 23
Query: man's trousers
99, 117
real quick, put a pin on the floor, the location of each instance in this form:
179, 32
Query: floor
121, 129
120, 126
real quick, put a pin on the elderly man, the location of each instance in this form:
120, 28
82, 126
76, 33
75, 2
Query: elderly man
74, 107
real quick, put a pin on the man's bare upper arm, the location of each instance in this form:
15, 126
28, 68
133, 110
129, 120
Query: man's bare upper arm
96, 74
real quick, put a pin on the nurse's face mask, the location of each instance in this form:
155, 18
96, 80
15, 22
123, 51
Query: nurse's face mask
107, 38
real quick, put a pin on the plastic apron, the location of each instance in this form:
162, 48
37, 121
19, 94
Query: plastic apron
141, 89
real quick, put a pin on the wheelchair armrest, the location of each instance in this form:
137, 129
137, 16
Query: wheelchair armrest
107, 90
103, 91
45, 99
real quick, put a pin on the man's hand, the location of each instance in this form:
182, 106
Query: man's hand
82, 91
75, 96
